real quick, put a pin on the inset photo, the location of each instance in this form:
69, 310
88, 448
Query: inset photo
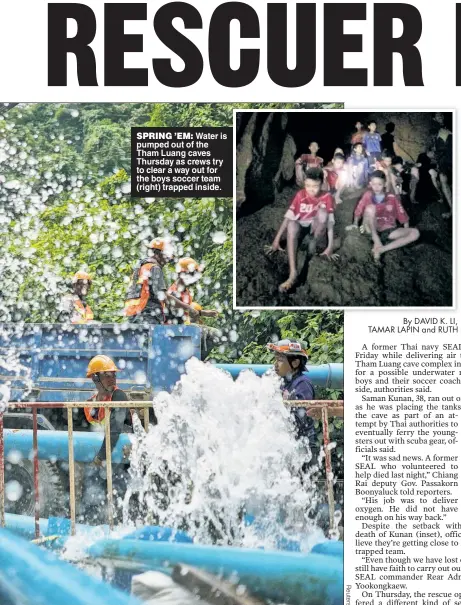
340, 208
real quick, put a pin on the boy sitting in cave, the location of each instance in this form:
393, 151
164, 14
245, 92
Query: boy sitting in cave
380, 211
401, 177
311, 212
306, 161
385, 165
357, 167
357, 137
404, 178
335, 177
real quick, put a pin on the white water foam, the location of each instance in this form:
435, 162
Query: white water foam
220, 449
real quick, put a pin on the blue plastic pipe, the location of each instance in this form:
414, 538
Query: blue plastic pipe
331, 548
279, 576
53, 445
271, 574
24, 525
31, 576
328, 375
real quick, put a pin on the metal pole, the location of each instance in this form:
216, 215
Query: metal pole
2, 474
70, 433
328, 469
146, 419
110, 510
36, 476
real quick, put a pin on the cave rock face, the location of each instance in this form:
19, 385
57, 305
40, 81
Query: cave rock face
265, 157
411, 133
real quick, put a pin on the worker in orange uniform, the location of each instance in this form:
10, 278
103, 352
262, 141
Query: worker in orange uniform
102, 370
74, 307
189, 272
147, 295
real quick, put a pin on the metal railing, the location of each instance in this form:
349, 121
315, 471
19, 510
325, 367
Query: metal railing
320, 409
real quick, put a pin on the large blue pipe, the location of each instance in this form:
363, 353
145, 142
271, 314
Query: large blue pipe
290, 577
328, 375
54, 445
54, 526
31, 576
61, 526
280, 576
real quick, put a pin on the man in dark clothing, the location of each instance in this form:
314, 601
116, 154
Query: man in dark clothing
147, 295
388, 139
290, 365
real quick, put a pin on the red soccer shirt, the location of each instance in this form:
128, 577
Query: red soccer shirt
312, 161
357, 137
331, 177
304, 208
388, 212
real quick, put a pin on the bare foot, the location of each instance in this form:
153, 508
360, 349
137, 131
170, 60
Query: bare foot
288, 284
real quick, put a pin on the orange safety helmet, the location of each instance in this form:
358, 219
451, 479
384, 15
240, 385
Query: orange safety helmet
188, 265
288, 347
196, 306
101, 363
81, 275
157, 244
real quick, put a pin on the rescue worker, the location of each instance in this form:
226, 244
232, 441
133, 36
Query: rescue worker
102, 370
147, 295
189, 272
290, 365
74, 307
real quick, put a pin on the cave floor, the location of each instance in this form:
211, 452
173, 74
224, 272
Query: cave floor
417, 275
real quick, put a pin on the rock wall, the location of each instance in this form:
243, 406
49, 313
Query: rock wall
265, 159
411, 133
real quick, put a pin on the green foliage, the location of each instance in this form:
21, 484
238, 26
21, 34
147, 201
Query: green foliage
75, 161
322, 331
89, 221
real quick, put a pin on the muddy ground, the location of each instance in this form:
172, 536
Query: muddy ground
417, 275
